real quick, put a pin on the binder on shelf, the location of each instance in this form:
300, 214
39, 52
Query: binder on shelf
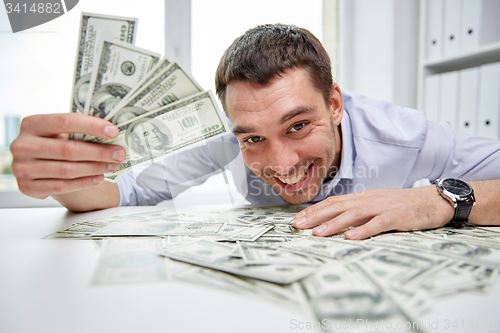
449, 98
467, 100
451, 37
432, 91
470, 25
434, 39
489, 101
490, 24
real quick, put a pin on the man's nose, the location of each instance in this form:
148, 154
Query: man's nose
282, 157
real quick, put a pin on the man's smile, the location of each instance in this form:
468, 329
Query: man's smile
297, 181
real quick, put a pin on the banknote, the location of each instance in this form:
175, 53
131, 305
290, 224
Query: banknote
341, 292
168, 130
251, 234
265, 256
231, 229
171, 84
153, 215
200, 251
402, 270
131, 260
285, 295
118, 67
329, 248
160, 66
94, 28
69, 235
460, 250
158, 229
468, 234
218, 256
263, 216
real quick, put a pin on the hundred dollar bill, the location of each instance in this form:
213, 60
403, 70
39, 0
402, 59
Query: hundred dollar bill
219, 256
263, 256
130, 260
201, 250
460, 276
341, 293
160, 66
172, 83
470, 252
282, 294
118, 67
168, 130
93, 28
329, 248
402, 270
467, 234
251, 234
158, 229
264, 216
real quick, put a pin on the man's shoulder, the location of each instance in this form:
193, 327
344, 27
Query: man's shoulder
384, 122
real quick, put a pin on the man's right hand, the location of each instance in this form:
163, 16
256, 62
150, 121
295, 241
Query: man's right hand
46, 162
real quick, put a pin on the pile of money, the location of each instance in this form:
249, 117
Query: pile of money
156, 104
393, 277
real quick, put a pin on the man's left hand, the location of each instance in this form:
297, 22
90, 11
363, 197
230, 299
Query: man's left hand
374, 211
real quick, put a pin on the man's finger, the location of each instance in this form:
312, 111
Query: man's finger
375, 226
42, 188
343, 221
327, 210
45, 169
50, 124
67, 150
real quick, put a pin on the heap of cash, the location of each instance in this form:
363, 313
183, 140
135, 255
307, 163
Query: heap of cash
156, 104
393, 277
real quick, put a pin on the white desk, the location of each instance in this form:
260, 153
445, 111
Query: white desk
45, 287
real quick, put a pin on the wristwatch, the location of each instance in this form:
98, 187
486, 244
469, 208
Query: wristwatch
460, 195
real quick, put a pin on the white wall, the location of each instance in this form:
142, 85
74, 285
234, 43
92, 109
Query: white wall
379, 49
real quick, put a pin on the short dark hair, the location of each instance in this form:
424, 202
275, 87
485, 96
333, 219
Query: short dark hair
266, 51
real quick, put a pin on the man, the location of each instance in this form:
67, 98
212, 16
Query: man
298, 135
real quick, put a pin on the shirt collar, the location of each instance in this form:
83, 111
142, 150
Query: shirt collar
346, 162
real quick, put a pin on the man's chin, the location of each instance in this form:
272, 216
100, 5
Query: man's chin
298, 198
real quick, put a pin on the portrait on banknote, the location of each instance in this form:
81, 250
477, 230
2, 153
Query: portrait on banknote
148, 137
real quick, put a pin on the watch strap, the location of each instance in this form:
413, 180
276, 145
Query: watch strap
462, 211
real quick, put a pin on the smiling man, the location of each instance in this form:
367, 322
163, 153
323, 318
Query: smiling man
302, 139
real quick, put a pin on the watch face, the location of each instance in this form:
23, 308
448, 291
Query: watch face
456, 186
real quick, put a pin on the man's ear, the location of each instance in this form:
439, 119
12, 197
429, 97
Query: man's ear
336, 104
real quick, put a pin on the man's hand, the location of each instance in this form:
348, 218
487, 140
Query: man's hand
46, 163
376, 211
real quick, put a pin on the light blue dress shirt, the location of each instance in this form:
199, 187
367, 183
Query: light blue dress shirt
383, 146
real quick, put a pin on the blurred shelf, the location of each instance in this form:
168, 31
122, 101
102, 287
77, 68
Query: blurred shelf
486, 54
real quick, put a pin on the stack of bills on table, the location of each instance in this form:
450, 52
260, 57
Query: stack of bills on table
157, 105
394, 277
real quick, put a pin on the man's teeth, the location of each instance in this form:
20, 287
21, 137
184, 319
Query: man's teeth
294, 179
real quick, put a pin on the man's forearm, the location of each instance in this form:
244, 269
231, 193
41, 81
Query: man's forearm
104, 195
487, 208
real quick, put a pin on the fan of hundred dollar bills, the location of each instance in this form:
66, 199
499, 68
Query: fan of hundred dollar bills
158, 107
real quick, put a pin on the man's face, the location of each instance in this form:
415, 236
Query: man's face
288, 135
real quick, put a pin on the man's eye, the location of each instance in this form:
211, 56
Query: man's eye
254, 139
297, 127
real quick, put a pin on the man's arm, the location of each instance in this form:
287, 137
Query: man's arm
46, 163
376, 211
